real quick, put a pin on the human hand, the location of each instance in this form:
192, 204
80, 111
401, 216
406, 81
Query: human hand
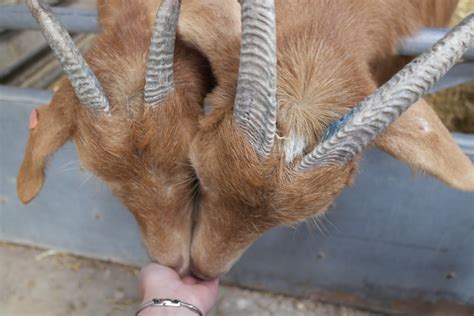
158, 281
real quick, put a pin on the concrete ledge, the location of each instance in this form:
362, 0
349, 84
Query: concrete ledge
392, 237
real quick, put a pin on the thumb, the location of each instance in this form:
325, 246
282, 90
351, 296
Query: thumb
156, 280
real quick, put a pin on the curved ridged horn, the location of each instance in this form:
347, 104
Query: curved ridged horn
351, 134
255, 108
159, 73
88, 89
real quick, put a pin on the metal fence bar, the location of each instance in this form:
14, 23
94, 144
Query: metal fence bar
460, 74
18, 17
423, 40
24, 95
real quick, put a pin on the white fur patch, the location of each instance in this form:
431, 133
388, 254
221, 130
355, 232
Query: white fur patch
169, 191
294, 146
424, 126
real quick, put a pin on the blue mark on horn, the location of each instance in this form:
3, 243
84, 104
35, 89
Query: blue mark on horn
334, 127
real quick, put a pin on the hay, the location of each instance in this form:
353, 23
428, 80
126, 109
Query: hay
464, 8
455, 106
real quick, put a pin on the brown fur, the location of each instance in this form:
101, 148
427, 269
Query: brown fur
331, 54
141, 153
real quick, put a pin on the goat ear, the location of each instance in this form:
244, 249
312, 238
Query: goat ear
420, 139
50, 128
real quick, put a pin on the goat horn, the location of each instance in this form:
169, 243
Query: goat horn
353, 132
255, 108
88, 89
159, 73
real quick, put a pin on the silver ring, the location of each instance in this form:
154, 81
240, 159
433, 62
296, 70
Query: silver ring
166, 302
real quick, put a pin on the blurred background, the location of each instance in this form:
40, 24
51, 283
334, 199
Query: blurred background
26, 61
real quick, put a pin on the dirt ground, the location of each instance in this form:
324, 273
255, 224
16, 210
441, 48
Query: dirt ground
39, 282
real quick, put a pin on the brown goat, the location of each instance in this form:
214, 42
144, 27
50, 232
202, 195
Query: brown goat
141, 152
330, 56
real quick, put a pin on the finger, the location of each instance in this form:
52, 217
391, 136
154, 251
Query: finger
210, 286
206, 292
189, 280
156, 272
